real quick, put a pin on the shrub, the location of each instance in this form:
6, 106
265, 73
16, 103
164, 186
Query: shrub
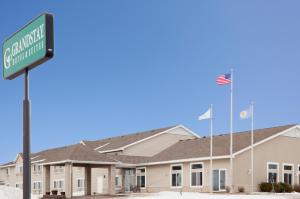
227, 189
241, 189
265, 187
54, 192
278, 187
287, 188
297, 188
282, 187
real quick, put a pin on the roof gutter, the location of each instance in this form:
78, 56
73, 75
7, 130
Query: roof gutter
80, 162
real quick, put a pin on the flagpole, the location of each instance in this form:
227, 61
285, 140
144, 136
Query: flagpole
231, 131
211, 147
252, 142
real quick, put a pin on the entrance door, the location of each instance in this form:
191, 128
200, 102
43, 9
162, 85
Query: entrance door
219, 180
129, 179
100, 184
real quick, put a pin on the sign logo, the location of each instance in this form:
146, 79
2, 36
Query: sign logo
29, 47
7, 58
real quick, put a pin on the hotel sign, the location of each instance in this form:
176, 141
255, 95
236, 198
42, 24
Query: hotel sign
29, 47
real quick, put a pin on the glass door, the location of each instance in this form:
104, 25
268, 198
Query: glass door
129, 179
222, 180
216, 180
219, 180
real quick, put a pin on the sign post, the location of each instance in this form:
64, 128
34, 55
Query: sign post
24, 50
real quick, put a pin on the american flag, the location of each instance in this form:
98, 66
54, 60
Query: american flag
224, 79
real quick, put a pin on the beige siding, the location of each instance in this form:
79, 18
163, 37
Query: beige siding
157, 144
280, 150
97, 172
2, 175
158, 177
11, 178
55, 175
78, 173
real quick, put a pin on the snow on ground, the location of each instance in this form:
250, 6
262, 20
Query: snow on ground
190, 195
12, 193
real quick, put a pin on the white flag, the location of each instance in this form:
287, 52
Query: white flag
206, 115
246, 113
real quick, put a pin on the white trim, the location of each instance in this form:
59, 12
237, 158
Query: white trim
94, 162
34, 162
293, 173
77, 161
184, 160
176, 187
189, 130
266, 139
278, 175
101, 146
150, 137
145, 176
18, 155
34, 157
82, 142
14, 164
9, 165
202, 170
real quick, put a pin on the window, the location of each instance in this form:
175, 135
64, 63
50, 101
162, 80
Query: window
273, 170
19, 169
19, 185
288, 170
58, 169
80, 184
37, 168
176, 176
118, 181
196, 174
58, 185
37, 187
7, 171
141, 177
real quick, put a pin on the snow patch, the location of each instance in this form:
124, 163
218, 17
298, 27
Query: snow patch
12, 193
193, 195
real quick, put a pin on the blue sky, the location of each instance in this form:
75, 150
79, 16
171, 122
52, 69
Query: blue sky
127, 66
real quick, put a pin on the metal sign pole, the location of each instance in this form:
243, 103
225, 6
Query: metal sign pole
39, 50
26, 140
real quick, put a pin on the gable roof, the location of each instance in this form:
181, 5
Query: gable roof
85, 150
200, 148
120, 142
76, 152
183, 150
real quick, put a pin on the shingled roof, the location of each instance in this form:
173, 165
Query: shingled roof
200, 147
76, 152
115, 143
185, 149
